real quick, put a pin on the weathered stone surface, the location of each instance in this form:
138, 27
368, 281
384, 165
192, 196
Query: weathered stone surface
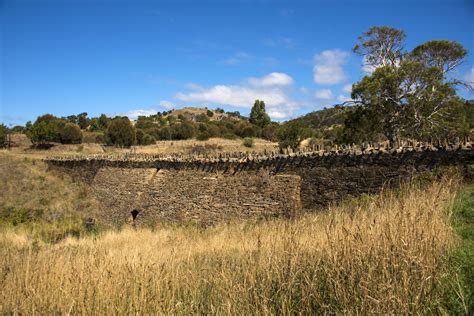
211, 190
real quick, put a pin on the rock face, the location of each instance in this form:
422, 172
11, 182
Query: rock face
149, 189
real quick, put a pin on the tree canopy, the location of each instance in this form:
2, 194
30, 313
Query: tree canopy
258, 115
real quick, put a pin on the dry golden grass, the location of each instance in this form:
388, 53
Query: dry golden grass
161, 147
382, 255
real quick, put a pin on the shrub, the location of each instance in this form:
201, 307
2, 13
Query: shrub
289, 135
3, 135
202, 136
184, 130
202, 118
70, 133
121, 132
248, 142
210, 113
144, 138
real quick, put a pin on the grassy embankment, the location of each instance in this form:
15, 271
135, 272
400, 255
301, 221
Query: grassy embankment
392, 253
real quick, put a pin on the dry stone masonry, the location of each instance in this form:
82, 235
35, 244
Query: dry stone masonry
207, 189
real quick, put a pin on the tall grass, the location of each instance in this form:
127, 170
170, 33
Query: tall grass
383, 255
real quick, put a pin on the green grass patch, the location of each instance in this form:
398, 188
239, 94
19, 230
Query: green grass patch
460, 293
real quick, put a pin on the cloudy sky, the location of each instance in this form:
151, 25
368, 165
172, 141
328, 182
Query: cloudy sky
139, 57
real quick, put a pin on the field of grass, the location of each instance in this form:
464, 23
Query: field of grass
212, 145
404, 251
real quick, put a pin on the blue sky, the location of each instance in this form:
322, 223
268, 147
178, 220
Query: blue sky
132, 57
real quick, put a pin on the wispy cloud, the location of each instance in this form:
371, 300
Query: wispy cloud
285, 42
469, 77
236, 59
347, 88
343, 98
271, 80
134, 114
367, 68
167, 105
324, 94
328, 68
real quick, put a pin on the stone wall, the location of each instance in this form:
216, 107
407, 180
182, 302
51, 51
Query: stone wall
198, 196
211, 190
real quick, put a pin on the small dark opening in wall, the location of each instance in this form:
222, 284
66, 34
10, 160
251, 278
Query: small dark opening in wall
134, 214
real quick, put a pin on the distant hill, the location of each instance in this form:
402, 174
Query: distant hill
323, 119
194, 114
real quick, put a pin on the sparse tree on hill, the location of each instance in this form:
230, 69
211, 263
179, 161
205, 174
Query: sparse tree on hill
258, 116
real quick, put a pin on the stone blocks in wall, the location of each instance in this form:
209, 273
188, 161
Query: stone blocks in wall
203, 197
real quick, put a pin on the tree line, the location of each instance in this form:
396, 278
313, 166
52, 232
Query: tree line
146, 130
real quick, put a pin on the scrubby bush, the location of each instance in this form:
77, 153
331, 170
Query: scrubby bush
248, 142
3, 135
289, 136
202, 136
71, 134
143, 138
121, 132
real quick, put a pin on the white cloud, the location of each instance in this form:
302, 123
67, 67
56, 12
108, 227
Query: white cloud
324, 94
304, 90
366, 67
269, 88
328, 67
167, 105
134, 114
279, 114
343, 98
236, 59
271, 80
347, 88
234, 95
470, 76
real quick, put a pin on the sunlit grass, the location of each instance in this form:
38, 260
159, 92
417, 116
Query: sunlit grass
386, 254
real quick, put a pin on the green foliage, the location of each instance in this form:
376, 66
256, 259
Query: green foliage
184, 130
361, 125
381, 46
70, 133
409, 91
202, 118
202, 136
48, 128
258, 116
120, 132
144, 138
459, 297
209, 113
441, 54
248, 142
82, 120
103, 122
289, 135
3, 136
269, 132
